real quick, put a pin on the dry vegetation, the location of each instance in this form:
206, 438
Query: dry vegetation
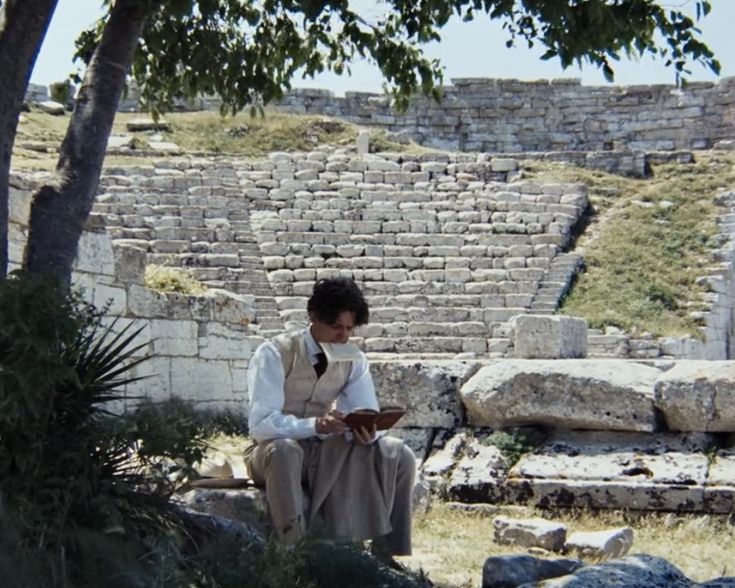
451, 545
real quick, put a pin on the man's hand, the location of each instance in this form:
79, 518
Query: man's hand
330, 423
364, 436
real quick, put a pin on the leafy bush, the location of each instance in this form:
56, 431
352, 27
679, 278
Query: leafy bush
82, 489
514, 443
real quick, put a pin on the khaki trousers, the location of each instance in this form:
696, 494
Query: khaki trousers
361, 492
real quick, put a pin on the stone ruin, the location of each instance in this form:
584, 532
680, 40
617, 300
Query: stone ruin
464, 265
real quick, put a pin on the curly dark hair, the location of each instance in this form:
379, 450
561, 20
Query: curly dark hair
333, 296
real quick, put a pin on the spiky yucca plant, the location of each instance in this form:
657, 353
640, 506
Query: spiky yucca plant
77, 482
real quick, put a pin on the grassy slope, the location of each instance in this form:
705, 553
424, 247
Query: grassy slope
648, 243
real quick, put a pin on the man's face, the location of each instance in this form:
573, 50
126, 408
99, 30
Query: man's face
338, 332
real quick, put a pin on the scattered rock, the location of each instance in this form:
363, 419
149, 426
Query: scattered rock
164, 146
509, 571
601, 545
548, 535
633, 571
51, 107
503, 164
120, 142
363, 142
146, 124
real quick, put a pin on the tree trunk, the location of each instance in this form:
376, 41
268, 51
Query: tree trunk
23, 25
60, 208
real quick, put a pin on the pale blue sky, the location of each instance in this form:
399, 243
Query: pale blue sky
475, 49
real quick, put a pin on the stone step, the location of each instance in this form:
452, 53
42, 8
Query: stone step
607, 470
434, 344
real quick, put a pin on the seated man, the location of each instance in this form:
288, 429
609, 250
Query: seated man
359, 483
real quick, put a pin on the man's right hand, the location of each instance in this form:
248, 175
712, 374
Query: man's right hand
330, 423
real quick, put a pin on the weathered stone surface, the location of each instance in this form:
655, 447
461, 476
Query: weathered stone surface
632, 571
429, 389
363, 142
509, 571
146, 124
51, 107
728, 582
549, 337
719, 491
698, 396
595, 394
530, 533
246, 505
479, 473
614, 470
601, 545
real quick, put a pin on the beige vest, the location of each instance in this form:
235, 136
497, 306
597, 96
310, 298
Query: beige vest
304, 395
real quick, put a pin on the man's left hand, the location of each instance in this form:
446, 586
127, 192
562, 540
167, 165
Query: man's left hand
364, 436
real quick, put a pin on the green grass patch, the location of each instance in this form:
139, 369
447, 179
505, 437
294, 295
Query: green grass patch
648, 242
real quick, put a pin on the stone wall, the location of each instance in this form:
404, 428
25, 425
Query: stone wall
199, 346
497, 115
507, 116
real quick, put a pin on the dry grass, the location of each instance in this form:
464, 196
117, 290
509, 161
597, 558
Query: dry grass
648, 242
171, 279
40, 135
451, 545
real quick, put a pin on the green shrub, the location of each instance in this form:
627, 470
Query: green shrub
83, 489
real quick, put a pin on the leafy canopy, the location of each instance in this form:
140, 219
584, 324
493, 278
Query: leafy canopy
248, 51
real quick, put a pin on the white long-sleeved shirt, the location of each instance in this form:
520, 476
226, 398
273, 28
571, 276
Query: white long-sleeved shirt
266, 381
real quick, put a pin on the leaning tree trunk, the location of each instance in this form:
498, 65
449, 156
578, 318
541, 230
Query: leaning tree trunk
23, 25
60, 208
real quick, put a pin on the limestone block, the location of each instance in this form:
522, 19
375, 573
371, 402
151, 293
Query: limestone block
174, 338
51, 107
19, 206
146, 303
719, 491
112, 298
429, 389
530, 533
155, 382
363, 142
129, 264
228, 307
601, 545
698, 395
632, 571
599, 394
221, 341
549, 337
94, 254
201, 380
281, 276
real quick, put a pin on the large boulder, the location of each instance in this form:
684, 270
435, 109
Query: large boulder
633, 571
599, 394
429, 389
509, 571
698, 396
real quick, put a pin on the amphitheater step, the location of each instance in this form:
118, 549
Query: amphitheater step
609, 470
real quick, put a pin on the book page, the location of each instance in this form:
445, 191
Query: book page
341, 351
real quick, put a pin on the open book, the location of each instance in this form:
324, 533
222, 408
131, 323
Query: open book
366, 417
341, 351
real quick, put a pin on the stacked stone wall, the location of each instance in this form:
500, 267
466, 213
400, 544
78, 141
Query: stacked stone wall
503, 115
198, 346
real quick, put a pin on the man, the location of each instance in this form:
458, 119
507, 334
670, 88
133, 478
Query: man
359, 484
